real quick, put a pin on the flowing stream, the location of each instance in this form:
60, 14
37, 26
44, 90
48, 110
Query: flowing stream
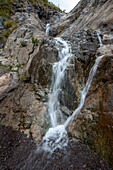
57, 78
56, 136
47, 29
99, 38
85, 90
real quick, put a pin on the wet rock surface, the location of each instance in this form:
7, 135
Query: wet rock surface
96, 115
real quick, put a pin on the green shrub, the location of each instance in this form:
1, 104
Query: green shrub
20, 65
53, 6
21, 4
10, 67
6, 6
23, 77
6, 9
12, 24
5, 34
4, 14
44, 3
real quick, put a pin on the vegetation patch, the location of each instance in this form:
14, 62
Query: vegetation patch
5, 34
6, 10
44, 3
35, 41
23, 44
10, 23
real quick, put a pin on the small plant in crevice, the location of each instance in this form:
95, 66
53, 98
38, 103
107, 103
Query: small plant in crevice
35, 41
23, 44
21, 4
23, 77
10, 67
20, 65
5, 34
60, 28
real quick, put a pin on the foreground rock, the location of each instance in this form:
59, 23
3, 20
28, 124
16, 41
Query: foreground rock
13, 144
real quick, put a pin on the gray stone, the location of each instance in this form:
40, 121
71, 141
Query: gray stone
1, 25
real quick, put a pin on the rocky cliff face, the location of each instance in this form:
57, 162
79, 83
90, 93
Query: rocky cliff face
89, 14
22, 102
26, 70
14, 13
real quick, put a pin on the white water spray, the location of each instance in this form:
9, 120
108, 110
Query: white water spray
47, 29
55, 138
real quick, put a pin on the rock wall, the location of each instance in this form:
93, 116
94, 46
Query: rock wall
22, 100
89, 14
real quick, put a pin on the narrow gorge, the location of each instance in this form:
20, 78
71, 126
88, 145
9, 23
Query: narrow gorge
56, 86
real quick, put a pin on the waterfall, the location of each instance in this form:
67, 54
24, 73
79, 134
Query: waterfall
56, 136
85, 90
57, 78
47, 29
58, 133
99, 38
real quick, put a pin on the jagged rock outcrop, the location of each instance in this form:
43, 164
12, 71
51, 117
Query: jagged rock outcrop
19, 11
89, 14
93, 126
22, 105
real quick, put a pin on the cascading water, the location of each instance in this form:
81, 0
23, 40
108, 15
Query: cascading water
85, 90
47, 29
99, 38
57, 133
57, 78
56, 137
